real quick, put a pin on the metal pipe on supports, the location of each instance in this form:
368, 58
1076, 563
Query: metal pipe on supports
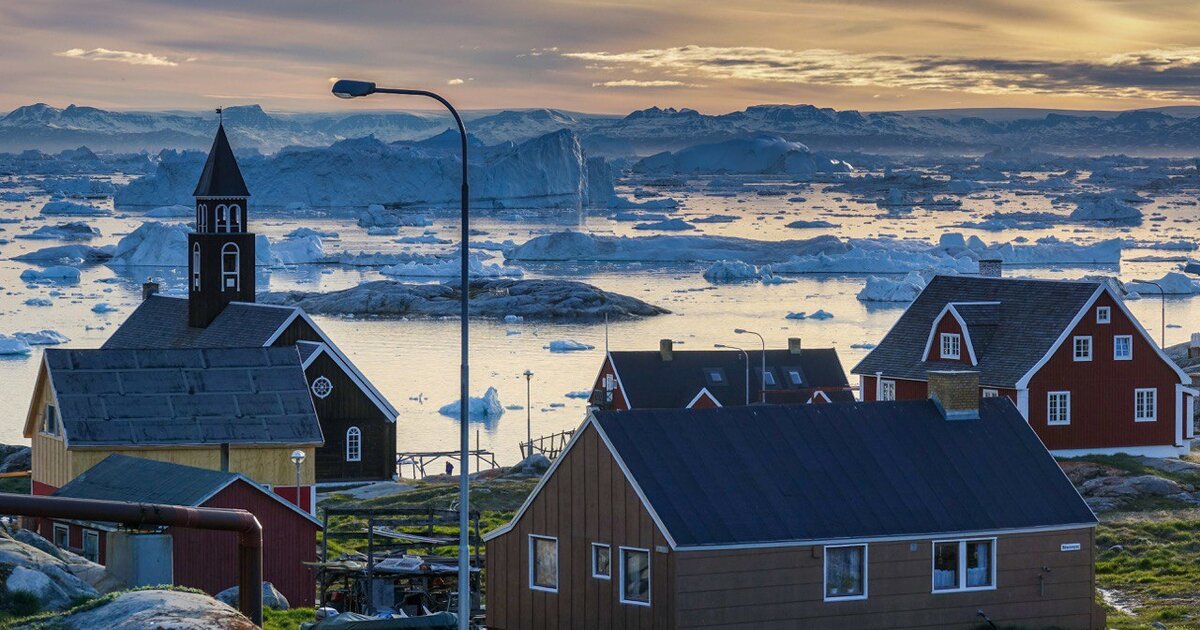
246, 526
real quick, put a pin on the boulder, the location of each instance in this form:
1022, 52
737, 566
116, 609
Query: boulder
137, 610
93, 574
272, 598
1170, 465
1130, 486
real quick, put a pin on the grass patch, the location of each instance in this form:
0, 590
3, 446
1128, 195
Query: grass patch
16, 485
1152, 560
1137, 466
286, 619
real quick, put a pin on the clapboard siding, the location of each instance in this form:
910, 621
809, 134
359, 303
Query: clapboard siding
348, 406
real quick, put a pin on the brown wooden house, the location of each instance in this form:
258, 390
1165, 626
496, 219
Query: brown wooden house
939, 513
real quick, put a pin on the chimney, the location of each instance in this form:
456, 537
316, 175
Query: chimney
956, 393
149, 287
666, 349
1194, 347
991, 267
794, 346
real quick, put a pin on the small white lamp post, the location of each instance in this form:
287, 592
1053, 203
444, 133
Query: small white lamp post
298, 459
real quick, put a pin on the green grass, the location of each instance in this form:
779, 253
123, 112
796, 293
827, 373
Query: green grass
286, 619
1136, 466
16, 485
1156, 568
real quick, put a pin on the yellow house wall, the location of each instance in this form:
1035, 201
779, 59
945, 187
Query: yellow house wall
50, 460
267, 465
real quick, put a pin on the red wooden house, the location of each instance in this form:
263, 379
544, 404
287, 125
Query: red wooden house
1076, 362
202, 559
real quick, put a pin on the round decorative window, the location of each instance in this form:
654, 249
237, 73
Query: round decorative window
322, 387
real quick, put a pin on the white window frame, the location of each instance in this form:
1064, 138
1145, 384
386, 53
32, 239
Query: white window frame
795, 378
235, 219
1049, 409
354, 455
533, 567
595, 548
66, 530
222, 218
1103, 314
990, 393
92, 535
1153, 392
196, 266
202, 218
649, 576
884, 386
319, 384
825, 574
1075, 348
768, 379
236, 274
951, 345
962, 566
1128, 357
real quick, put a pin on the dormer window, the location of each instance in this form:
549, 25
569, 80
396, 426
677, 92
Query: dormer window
231, 267
951, 346
196, 266
1103, 314
795, 378
715, 376
768, 379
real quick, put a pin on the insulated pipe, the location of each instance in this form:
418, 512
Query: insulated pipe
248, 529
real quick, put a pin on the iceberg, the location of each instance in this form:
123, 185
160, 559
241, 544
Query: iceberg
51, 275
73, 231
1111, 208
38, 302
1174, 283
11, 346
300, 250
567, 345
301, 232
103, 307
451, 268
176, 211
72, 209
874, 260
729, 271
76, 254
155, 244
42, 337
579, 246
668, 225
376, 216
486, 407
763, 154
883, 289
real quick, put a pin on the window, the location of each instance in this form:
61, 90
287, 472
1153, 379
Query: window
951, 346
846, 572
887, 390
768, 379
1145, 405
230, 266
222, 218
1058, 408
964, 565
1123, 348
715, 376
235, 218
91, 545
353, 444
635, 576
196, 266
991, 393
1083, 348
202, 218
62, 536
543, 563
601, 561
50, 420
794, 376
322, 387
1103, 314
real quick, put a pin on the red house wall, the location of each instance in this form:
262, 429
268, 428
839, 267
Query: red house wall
1102, 389
288, 493
619, 401
704, 402
947, 325
919, 390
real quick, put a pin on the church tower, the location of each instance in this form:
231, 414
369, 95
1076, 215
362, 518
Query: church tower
221, 250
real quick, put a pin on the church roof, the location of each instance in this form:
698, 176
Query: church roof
221, 176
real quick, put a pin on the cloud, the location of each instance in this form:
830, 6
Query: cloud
122, 56
1166, 74
455, 82
634, 83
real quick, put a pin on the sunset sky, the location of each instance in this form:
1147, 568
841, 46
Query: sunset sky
604, 56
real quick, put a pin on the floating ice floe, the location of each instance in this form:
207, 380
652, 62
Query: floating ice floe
42, 337
866, 345
513, 319
68, 254
301, 232
72, 209
579, 246
666, 225
452, 268
820, 314
884, 289
486, 407
1174, 283
39, 302
874, 259
567, 345
582, 394
58, 274
428, 239
103, 307
176, 211
763, 154
729, 271
13, 196
301, 250
803, 224
717, 218
12, 346
1109, 207
376, 216
155, 244
73, 231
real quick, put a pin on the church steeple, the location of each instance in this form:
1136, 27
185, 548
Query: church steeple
221, 260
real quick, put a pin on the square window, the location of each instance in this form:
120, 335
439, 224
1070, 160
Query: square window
887, 390
1123, 348
601, 561
1145, 405
951, 346
1103, 314
543, 563
716, 376
635, 576
846, 572
1083, 349
979, 563
964, 565
1058, 408
991, 393
62, 536
945, 566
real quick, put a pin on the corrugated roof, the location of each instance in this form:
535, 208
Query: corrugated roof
1032, 314
221, 176
162, 322
177, 397
782, 473
651, 383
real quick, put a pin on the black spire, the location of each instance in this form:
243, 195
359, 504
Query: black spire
221, 176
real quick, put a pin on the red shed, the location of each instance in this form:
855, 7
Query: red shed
289, 534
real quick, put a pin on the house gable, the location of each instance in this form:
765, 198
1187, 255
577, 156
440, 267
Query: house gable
608, 369
951, 322
703, 400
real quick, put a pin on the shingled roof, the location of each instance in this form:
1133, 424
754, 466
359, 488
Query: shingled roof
182, 397
162, 322
221, 176
1018, 322
652, 383
791, 473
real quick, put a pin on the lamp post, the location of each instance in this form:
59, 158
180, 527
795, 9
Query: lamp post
528, 418
298, 459
1162, 295
352, 89
762, 377
746, 356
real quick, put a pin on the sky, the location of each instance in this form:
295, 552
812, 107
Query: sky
606, 56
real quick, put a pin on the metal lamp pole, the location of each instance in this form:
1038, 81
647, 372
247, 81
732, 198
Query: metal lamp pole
762, 377
1162, 295
352, 89
746, 356
528, 417
298, 459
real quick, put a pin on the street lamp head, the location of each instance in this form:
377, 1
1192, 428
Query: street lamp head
740, 331
528, 373
297, 457
348, 88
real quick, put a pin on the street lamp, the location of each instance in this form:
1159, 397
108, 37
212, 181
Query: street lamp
298, 459
345, 88
746, 356
1162, 295
762, 377
528, 419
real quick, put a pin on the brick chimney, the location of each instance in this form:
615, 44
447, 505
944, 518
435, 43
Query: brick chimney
149, 287
794, 346
1194, 347
991, 267
956, 393
666, 349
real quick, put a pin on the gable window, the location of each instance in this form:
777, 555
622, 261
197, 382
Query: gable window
543, 563
635, 576
62, 536
1123, 348
1103, 314
1145, 405
91, 545
601, 561
887, 390
964, 565
795, 378
230, 267
353, 444
322, 387
951, 346
991, 393
1083, 348
50, 420
1058, 408
196, 266
846, 572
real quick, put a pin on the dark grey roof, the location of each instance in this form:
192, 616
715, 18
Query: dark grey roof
124, 478
778, 473
178, 397
1014, 335
221, 176
308, 348
162, 322
652, 383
